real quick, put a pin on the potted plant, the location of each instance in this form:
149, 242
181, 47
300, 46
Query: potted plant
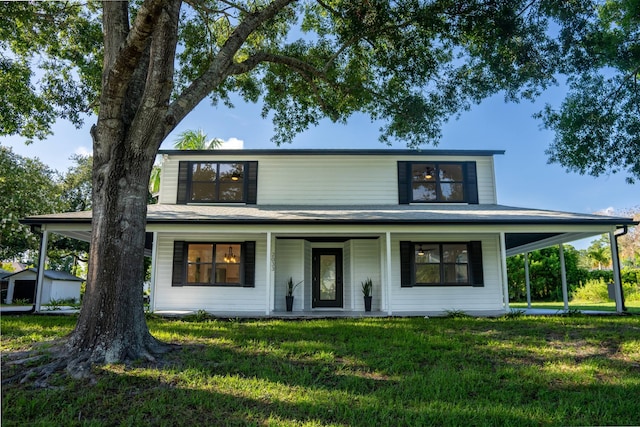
367, 286
290, 288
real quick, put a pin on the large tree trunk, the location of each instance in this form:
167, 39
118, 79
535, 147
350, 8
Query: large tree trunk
112, 325
137, 84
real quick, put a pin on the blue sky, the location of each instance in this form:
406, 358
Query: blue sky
523, 176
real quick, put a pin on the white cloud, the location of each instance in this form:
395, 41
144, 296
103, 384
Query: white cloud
83, 151
232, 144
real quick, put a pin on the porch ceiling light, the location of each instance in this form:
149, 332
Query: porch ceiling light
428, 173
420, 251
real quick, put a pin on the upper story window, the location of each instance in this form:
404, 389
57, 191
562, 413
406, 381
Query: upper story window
437, 182
217, 182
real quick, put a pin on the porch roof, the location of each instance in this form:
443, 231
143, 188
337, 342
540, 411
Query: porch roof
446, 214
534, 228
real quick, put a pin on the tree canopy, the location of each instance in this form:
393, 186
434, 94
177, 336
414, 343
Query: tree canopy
411, 64
27, 187
597, 127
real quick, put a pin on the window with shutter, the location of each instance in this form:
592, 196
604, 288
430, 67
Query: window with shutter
217, 182
213, 264
441, 264
437, 182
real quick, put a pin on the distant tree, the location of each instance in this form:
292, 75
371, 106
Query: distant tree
599, 253
76, 187
629, 244
597, 127
187, 140
544, 274
76, 184
196, 140
27, 187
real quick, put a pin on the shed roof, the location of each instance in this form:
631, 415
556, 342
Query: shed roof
51, 274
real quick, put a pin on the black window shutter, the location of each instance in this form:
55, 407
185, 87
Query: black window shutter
403, 183
249, 264
406, 266
475, 263
183, 183
252, 183
472, 183
177, 276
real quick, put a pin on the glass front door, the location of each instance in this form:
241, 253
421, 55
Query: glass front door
327, 278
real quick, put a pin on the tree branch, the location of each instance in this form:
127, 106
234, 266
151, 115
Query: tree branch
221, 65
122, 54
158, 80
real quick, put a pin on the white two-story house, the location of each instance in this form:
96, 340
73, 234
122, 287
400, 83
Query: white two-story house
231, 227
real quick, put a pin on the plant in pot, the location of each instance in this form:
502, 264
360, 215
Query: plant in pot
367, 286
290, 288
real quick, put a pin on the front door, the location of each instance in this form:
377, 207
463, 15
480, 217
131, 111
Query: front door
327, 278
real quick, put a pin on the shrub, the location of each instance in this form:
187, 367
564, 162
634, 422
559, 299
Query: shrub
595, 291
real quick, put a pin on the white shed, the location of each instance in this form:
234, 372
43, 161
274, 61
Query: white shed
57, 285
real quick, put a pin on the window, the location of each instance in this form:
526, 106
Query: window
437, 182
441, 264
214, 264
217, 182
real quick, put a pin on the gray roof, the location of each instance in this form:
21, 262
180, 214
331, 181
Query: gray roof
52, 274
332, 152
367, 214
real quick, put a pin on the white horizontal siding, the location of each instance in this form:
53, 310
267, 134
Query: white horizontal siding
366, 264
327, 180
443, 298
486, 181
209, 298
289, 263
169, 180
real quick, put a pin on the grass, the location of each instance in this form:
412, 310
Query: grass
632, 306
376, 371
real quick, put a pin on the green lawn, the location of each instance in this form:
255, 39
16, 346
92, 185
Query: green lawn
515, 370
632, 306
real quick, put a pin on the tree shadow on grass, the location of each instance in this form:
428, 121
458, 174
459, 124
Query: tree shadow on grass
353, 373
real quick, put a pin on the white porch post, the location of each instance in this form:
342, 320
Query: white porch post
563, 277
154, 265
527, 279
617, 282
505, 279
42, 257
388, 271
268, 278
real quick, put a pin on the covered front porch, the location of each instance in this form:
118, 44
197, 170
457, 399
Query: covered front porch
364, 240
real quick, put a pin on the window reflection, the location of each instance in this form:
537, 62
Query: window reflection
437, 182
